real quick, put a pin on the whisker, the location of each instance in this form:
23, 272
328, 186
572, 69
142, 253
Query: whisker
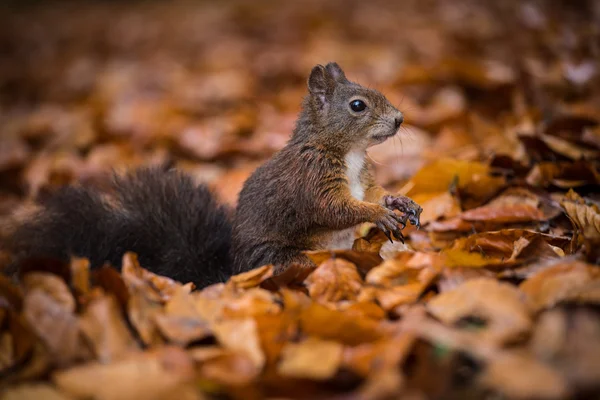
372, 159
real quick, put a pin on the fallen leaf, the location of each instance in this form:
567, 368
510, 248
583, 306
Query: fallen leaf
80, 272
585, 216
384, 354
312, 358
442, 205
224, 367
568, 341
334, 280
241, 336
520, 377
105, 329
252, 278
317, 320
182, 330
142, 311
567, 280
33, 391
52, 286
56, 325
500, 305
364, 261
149, 375
438, 176
155, 286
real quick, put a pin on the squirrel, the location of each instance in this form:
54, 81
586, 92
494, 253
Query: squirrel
310, 195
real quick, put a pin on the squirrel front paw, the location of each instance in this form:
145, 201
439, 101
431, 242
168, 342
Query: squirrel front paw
412, 211
387, 220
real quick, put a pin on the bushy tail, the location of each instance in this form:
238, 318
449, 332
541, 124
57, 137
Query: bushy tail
176, 227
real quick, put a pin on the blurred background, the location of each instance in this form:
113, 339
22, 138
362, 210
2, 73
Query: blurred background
214, 87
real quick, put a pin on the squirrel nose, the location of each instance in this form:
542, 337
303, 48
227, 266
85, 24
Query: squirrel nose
398, 121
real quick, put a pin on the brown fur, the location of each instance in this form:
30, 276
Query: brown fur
302, 196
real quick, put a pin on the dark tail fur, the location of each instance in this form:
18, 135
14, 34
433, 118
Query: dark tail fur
176, 227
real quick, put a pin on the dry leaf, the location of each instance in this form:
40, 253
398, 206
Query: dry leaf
501, 306
521, 377
334, 280
383, 354
56, 325
52, 286
241, 336
317, 320
567, 280
149, 375
311, 359
105, 329
586, 217
29, 391
252, 278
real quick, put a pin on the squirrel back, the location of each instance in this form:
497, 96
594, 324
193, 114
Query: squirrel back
176, 227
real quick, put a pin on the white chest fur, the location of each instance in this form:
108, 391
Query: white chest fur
343, 239
355, 161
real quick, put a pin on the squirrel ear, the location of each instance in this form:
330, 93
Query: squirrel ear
320, 84
336, 72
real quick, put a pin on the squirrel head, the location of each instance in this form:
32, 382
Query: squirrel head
349, 114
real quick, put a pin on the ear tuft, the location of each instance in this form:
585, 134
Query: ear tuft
336, 72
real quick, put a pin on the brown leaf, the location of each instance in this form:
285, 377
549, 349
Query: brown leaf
33, 391
312, 358
569, 341
500, 305
363, 261
568, 280
56, 325
405, 268
317, 320
13, 153
521, 377
10, 293
111, 282
255, 301
224, 367
149, 375
80, 275
156, 287
252, 278
103, 325
18, 340
585, 216
334, 280
387, 353
404, 279
568, 149
438, 176
182, 330
275, 330
241, 336
52, 286
142, 308
437, 205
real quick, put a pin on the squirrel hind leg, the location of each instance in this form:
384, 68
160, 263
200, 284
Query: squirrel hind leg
290, 264
293, 267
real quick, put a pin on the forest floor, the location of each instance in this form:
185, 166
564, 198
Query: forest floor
496, 296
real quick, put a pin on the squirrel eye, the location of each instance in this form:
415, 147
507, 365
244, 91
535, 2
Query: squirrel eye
358, 105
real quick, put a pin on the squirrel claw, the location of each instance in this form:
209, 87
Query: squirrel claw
388, 235
398, 234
